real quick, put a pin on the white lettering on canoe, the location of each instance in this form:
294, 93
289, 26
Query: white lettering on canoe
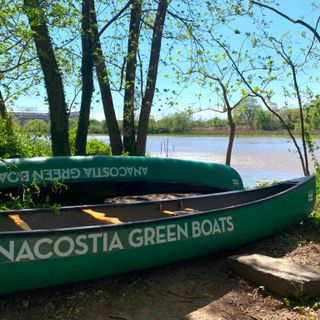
212, 227
66, 174
14, 176
106, 242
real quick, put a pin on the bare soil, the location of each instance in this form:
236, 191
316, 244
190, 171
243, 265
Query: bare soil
200, 289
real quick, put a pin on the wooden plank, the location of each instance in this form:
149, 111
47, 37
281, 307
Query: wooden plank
19, 222
168, 212
101, 216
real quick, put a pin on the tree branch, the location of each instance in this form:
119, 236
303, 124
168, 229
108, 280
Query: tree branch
113, 19
266, 104
308, 26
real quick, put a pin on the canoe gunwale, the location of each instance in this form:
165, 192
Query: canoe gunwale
296, 183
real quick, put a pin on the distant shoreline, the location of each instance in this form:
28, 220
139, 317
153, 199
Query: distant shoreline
225, 133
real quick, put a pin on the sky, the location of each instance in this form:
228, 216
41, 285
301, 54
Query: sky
188, 96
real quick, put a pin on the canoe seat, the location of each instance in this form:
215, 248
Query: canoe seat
168, 212
177, 208
178, 212
20, 223
101, 216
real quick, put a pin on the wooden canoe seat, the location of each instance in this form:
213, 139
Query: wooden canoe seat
20, 223
101, 216
178, 212
168, 212
182, 210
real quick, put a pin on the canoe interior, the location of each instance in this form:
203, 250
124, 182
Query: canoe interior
114, 214
83, 193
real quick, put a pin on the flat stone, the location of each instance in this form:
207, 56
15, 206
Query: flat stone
279, 275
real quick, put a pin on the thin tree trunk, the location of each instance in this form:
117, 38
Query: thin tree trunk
104, 84
52, 78
87, 80
129, 103
232, 125
3, 110
232, 132
151, 78
303, 132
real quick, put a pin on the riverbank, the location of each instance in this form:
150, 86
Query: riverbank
240, 132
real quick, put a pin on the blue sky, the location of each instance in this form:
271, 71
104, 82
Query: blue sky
187, 97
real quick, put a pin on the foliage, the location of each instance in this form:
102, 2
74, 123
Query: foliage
97, 147
37, 128
251, 117
94, 146
97, 127
180, 122
30, 196
304, 305
247, 112
18, 144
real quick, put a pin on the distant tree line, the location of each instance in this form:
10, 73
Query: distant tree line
248, 115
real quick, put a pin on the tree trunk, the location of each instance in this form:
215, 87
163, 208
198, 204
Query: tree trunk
3, 110
104, 84
129, 103
4, 114
87, 80
52, 78
151, 78
232, 132
302, 120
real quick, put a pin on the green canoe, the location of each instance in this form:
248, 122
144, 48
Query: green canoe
77, 169
40, 248
91, 180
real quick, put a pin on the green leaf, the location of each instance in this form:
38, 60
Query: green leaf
256, 89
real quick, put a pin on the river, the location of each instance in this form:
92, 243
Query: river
255, 158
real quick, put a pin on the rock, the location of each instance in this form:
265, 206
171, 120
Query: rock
279, 275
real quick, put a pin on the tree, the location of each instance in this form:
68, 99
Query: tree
255, 91
87, 78
52, 77
131, 143
104, 81
228, 108
4, 114
247, 112
128, 130
279, 47
151, 77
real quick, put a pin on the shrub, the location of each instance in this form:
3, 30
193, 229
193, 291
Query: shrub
97, 147
94, 146
14, 143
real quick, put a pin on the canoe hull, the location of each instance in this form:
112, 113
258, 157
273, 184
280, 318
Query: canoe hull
79, 169
45, 258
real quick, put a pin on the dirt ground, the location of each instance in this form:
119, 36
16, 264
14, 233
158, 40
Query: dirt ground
198, 289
